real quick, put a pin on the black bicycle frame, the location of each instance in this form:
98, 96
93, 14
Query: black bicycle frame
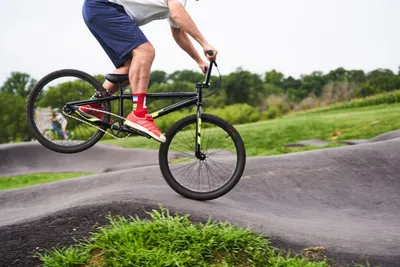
191, 98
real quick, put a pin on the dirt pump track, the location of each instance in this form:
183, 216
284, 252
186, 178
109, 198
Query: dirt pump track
345, 199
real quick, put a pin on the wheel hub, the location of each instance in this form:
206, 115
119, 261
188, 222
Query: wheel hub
201, 156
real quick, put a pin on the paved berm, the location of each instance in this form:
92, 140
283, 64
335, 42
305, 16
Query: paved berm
345, 199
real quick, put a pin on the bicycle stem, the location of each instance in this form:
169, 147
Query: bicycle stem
208, 74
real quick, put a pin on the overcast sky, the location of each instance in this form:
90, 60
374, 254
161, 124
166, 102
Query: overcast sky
291, 36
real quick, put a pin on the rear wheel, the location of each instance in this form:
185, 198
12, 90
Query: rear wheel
221, 166
55, 91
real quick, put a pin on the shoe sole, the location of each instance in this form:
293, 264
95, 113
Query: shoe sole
87, 116
133, 125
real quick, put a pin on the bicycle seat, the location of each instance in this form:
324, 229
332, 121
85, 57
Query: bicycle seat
117, 78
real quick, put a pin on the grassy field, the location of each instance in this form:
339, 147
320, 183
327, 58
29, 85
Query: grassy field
270, 137
12, 182
173, 240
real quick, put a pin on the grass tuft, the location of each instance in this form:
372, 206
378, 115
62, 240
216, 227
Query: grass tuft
172, 240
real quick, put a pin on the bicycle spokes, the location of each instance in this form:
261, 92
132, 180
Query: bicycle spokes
209, 168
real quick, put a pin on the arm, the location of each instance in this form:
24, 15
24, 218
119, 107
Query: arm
186, 23
182, 39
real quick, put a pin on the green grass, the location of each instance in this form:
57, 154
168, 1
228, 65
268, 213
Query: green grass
172, 240
374, 100
12, 182
270, 137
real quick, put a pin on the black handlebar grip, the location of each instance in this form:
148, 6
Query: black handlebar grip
210, 53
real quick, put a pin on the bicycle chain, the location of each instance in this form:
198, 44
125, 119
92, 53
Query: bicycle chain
96, 127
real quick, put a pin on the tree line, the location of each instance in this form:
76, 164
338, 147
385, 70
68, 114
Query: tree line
271, 93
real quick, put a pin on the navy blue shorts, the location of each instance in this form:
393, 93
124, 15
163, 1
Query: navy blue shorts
117, 33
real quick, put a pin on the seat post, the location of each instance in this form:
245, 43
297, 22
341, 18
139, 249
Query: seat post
121, 100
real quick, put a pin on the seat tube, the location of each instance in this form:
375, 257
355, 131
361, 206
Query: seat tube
121, 100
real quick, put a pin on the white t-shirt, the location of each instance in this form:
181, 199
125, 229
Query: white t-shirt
144, 11
60, 118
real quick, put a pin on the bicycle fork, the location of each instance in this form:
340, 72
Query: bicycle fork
198, 153
199, 86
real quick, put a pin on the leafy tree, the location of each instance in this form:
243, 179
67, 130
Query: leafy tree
356, 76
274, 77
243, 87
271, 89
186, 75
338, 75
312, 84
384, 79
296, 94
13, 120
291, 83
366, 90
18, 83
57, 96
157, 76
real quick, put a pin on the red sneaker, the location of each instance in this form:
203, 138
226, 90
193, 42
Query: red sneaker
89, 114
146, 125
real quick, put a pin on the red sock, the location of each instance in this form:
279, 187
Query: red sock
139, 105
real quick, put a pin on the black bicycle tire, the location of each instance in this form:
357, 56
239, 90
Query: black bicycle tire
203, 196
30, 114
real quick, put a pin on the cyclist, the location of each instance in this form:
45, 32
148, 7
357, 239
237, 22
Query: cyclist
62, 121
115, 25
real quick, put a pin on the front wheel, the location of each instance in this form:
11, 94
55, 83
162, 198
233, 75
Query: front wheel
212, 176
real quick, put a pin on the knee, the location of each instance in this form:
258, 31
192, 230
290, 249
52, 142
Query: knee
145, 53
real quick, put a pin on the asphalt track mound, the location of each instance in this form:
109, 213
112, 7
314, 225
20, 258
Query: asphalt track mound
386, 136
24, 158
345, 199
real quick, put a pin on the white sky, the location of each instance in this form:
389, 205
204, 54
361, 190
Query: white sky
291, 36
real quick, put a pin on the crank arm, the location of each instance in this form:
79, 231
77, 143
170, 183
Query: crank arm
129, 130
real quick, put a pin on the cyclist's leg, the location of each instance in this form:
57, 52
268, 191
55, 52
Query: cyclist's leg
139, 72
64, 128
57, 129
123, 41
139, 77
116, 33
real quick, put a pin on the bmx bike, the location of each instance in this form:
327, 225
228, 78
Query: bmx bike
203, 157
